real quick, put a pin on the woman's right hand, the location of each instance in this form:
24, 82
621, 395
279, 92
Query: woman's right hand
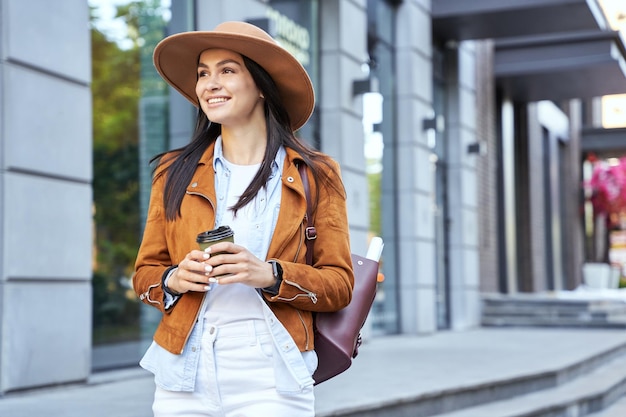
191, 274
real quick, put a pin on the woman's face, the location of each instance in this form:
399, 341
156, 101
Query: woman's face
226, 91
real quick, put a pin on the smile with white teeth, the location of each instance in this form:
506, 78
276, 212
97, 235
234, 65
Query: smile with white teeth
217, 100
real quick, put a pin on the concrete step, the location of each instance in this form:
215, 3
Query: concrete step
616, 410
594, 392
511, 321
487, 392
571, 308
548, 310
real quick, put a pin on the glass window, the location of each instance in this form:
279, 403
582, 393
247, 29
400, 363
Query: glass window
119, 29
381, 153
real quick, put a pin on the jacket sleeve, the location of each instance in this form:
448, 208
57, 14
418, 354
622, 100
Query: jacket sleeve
153, 259
327, 284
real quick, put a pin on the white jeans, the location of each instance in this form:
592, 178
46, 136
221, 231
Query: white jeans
235, 379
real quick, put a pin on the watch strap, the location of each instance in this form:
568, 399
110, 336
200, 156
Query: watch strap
277, 270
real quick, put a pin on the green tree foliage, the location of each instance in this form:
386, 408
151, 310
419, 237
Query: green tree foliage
116, 93
115, 98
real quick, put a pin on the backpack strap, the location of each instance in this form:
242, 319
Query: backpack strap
310, 233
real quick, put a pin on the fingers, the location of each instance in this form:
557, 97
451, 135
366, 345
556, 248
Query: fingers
224, 253
192, 273
187, 282
223, 263
194, 262
227, 260
242, 267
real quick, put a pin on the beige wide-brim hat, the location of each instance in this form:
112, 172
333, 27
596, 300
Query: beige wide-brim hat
176, 60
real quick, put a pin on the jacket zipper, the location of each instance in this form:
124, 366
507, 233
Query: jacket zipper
306, 331
146, 295
309, 293
300, 241
312, 295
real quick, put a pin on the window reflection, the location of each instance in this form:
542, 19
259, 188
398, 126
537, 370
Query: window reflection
120, 31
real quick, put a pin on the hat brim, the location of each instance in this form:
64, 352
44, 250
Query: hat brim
176, 60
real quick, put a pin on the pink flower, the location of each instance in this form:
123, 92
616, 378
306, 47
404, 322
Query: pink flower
607, 187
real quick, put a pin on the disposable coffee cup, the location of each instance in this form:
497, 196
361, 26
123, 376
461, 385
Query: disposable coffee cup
211, 237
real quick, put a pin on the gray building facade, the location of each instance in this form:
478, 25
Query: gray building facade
45, 193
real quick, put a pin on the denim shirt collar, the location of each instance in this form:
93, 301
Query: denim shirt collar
218, 159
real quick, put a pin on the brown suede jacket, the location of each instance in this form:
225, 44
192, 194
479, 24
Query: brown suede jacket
325, 286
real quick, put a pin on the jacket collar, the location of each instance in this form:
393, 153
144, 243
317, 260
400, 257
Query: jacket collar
203, 180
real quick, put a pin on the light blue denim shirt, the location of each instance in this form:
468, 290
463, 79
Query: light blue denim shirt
266, 202
293, 369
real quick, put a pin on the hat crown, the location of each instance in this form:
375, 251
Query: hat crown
244, 28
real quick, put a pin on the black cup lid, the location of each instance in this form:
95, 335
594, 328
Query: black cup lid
215, 234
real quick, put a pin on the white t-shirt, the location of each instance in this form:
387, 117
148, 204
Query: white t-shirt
234, 302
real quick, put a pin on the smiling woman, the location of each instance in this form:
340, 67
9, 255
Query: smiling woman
241, 170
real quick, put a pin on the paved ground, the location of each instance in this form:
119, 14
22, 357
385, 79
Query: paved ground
388, 370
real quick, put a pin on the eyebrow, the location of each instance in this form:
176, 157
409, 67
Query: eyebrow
220, 64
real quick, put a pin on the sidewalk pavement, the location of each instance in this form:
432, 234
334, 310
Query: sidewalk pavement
389, 370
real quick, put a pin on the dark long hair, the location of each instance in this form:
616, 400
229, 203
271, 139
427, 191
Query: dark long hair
182, 162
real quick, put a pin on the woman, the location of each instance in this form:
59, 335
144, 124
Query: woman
236, 334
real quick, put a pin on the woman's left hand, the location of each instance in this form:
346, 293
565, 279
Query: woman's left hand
233, 263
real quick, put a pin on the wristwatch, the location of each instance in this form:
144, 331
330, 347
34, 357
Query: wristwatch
277, 270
